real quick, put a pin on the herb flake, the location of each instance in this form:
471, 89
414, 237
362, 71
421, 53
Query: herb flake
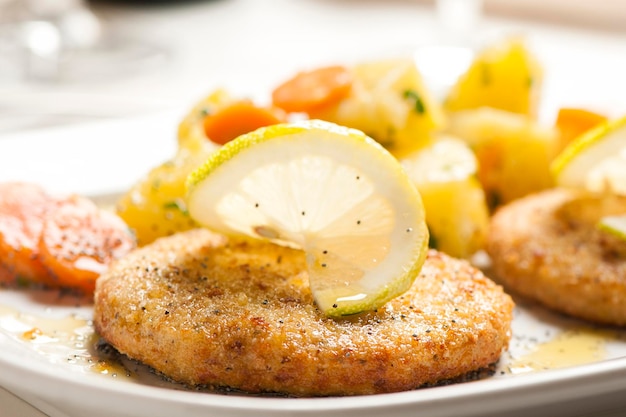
417, 102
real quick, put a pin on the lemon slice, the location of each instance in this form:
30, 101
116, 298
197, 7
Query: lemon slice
328, 190
615, 225
596, 160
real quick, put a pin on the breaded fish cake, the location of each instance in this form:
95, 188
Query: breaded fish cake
547, 247
202, 309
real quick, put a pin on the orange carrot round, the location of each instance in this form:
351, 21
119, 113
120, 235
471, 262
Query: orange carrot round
6, 275
22, 210
572, 122
79, 240
236, 119
311, 90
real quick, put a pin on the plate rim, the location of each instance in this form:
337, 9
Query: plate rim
545, 387
597, 378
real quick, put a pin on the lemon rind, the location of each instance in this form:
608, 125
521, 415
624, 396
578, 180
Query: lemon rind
615, 225
570, 167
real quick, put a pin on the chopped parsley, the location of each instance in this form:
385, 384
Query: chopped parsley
417, 102
176, 205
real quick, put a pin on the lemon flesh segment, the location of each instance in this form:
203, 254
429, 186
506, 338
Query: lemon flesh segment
456, 209
596, 160
615, 225
330, 191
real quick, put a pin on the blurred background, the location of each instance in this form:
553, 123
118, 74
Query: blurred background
74, 61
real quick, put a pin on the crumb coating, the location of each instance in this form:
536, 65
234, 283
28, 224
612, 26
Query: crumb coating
203, 309
548, 247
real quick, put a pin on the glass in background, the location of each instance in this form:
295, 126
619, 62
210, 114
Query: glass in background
442, 62
60, 41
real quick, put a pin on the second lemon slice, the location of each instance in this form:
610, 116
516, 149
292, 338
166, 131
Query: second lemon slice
329, 190
596, 160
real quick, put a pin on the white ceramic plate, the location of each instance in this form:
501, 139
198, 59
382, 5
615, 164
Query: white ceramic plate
555, 366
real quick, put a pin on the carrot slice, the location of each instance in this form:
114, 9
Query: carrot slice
236, 119
22, 210
6, 276
311, 90
79, 240
572, 122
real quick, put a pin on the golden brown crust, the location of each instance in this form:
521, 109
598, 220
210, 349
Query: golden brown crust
547, 247
205, 310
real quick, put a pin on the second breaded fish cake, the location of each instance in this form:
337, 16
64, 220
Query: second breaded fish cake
203, 309
548, 247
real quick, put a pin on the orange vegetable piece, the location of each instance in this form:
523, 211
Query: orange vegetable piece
79, 240
6, 276
58, 242
236, 119
22, 209
311, 90
572, 122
